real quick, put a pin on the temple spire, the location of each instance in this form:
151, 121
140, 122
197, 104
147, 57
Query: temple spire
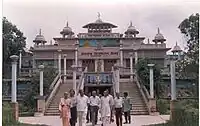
158, 30
40, 32
131, 23
99, 15
67, 24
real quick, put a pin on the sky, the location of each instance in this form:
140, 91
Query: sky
146, 15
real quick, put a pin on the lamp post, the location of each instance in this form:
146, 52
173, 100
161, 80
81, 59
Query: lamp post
131, 65
20, 61
15, 108
59, 61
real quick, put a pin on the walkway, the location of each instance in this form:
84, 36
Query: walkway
136, 120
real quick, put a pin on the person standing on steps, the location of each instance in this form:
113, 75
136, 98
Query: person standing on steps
94, 105
105, 109
127, 108
82, 106
73, 108
64, 109
118, 102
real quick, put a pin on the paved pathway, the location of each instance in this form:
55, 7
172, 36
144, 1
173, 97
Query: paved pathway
136, 120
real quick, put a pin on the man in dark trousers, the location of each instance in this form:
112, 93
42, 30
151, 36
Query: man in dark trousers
73, 109
127, 108
88, 117
94, 107
118, 102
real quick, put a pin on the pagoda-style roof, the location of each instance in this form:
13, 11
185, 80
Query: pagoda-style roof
98, 23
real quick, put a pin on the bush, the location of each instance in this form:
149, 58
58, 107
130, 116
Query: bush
7, 118
163, 106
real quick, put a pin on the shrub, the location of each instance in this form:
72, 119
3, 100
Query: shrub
163, 106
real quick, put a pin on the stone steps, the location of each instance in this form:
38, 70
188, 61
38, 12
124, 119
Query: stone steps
138, 105
52, 110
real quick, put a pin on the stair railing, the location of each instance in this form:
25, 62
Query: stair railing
81, 80
53, 89
144, 92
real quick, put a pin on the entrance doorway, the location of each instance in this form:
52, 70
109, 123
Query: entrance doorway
101, 89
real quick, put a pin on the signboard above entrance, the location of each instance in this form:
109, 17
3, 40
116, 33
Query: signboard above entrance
99, 54
96, 43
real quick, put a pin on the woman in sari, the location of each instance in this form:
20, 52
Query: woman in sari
64, 108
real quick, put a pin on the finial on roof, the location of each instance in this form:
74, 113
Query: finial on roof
148, 41
40, 32
131, 23
158, 30
99, 15
67, 24
176, 43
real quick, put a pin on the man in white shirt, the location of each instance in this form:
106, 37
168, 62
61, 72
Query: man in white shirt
94, 104
118, 102
111, 105
82, 105
105, 109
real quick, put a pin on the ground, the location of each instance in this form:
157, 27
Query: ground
136, 120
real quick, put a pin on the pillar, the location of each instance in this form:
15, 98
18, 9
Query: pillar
173, 89
65, 67
131, 65
20, 60
74, 68
116, 70
136, 57
151, 78
14, 104
102, 65
96, 64
59, 61
41, 68
121, 55
76, 56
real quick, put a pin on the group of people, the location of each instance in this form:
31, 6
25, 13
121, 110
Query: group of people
74, 108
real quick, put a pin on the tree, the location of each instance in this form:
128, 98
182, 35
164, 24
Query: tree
189, 66
143, 73
49, 76
13, 41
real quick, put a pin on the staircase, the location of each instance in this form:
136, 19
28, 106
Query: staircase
52, 109
138, 105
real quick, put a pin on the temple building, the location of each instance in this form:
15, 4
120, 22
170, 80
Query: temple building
98, 48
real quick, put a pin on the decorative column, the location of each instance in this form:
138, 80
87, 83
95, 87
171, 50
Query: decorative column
102, 65
41, 98
96, 64
65, 67
136, 57
151, 80
14, 104
74, 68
131, 65
76, 56
116, 69
152, 100
41, 68
20, 61
121, 55
173, 88
59, 61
